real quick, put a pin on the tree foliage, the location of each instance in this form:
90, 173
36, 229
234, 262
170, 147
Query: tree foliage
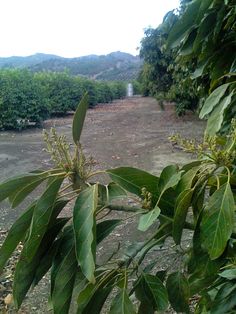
154, 74
26, 97
201, 41
205, 34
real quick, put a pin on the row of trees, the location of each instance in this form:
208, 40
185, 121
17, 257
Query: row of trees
25, 96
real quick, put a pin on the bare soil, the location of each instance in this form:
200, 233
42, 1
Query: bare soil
130, 132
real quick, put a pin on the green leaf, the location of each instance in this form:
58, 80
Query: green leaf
169, 178
203, 270
96, 301
182, 205
155, 291
79, 118
225, 300
213, 100
25, 191
183, 25
63, 275
229, 274
218, 221
41, 218
46, 261
105, 227
115, 191
15, 235
217, 116
133, 180
146, 305
122, 304
91, 292
167, 202
67, 243
17, 183
188, 44
198, 200
25, 270
108, 193
187, 179
204, 30
145, 308
199, 70
148, 219
85, 231
178, 292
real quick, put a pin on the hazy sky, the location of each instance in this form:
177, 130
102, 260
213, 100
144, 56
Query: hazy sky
73, 28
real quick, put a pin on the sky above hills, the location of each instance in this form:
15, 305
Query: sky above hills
72, 28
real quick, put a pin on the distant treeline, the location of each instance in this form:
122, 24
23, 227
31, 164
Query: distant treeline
27, 96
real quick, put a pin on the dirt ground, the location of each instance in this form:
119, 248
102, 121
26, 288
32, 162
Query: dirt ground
130, 132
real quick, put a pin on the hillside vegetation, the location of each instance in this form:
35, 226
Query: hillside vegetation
114, 66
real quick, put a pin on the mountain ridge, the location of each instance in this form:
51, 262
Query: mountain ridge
113, 66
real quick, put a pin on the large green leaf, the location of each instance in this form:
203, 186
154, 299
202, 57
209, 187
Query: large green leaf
47, 260
64, 284
167, 202
145, 305
63, 274
188, 44
97, 301
85, 230
183, 25
213, 100
169, 178
115, 192
108, 193
133, 180
148, 219
216, 118
15, 235
178, 292
25, 270
229, 274
182, 205
10, 186
218, 221
203, 270
187, 179
121, 304
79, 118
41, 218
225, 299
90, 293
155, 291
25, 191
204, 30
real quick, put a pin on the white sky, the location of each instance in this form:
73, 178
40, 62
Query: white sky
72, 28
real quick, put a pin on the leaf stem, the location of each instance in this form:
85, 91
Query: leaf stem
95, 173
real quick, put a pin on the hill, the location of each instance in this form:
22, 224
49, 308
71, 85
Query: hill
23, 62
114, 66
